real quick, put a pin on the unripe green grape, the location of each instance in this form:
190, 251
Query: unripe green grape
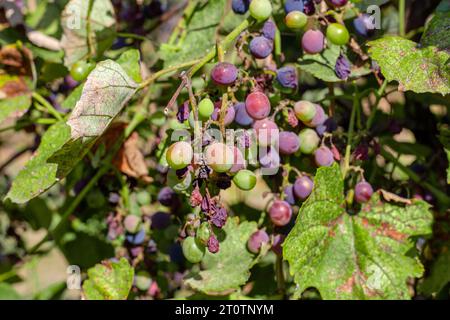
245, 180
260, 9
179, 155
203, 233
80, 70
296, 20
309, 140
192, 250
305, 110
142, 280
219, 157
337, 34
205, 109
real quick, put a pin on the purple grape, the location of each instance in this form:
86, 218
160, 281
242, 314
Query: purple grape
288, 142
319, 117
219, 217
166, 196
280, 213
303, 187
342, 67
266, 131
287, 77
224, 73
257, 240
261, 47
229, 116
257, 105
240, 6
323, 157
277, 241
363, 191
160, 220
293, 5
136, 239
183, 112
269, 30
176, 253
270, 160
313, 41
321, 129
363, 25
242, 118
289, 194
309, 8
337, 3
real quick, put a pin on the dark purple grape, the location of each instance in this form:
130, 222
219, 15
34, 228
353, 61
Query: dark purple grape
303, 187
309, 7
269, 30
224, 73
280, 213
137, 238
261, 47
277, 241
176, 253
242, 118
287, 77
257, 240
363, 191
240, 6
213, 244
289, 194
342, 67
313, 41
155, 9
166, 196
323, 157
160, 220
270, 160
321, 129
183, 112
219, 217
293, 5
363, 25
288, 142
337, 3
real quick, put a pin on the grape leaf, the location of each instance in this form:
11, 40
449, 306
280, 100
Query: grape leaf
75, 22
228, 269
129, 61
416, 69
439, 276
322, 66
437, 32
200, 34
105, 92
14, 107
354, 257
109, 281
7, 292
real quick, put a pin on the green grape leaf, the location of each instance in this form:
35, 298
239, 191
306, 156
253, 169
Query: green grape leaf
228, 269
105, 92
437, 32
109, 281
199, 36
7, 292
417, 69
439, 276
14, 107
71, 100
129, 61
322, 66
75, 24
359, 256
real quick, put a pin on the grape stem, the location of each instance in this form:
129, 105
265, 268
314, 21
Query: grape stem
36, 96
351, 129
401, 17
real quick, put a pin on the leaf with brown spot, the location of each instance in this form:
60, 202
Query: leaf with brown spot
359, 256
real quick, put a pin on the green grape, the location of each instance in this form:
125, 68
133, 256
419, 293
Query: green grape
309, 140
338, 34
192, 250
179, 155
260, 9
205, 109
143, 197
203, 233
245, 180
80, 70
296, 20
305, 110
142, 280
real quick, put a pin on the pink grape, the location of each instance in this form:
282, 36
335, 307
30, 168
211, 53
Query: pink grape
224, 73
303, 187
256, 241
266, 132
280, 213
313, 41
363, 191
257, 105
319, 117
323, 157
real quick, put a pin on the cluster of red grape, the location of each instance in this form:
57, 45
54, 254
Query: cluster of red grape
202, 174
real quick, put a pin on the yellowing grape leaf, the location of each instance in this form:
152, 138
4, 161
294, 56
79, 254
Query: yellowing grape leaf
425, 69
361, 256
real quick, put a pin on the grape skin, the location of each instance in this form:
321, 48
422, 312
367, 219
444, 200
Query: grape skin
267, 132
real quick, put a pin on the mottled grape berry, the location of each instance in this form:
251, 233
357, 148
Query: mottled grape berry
224, 73
240, 6
363, 191
261, 47
287, 77
342, 67
256, 240
269, 30
242, 118
213, 244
